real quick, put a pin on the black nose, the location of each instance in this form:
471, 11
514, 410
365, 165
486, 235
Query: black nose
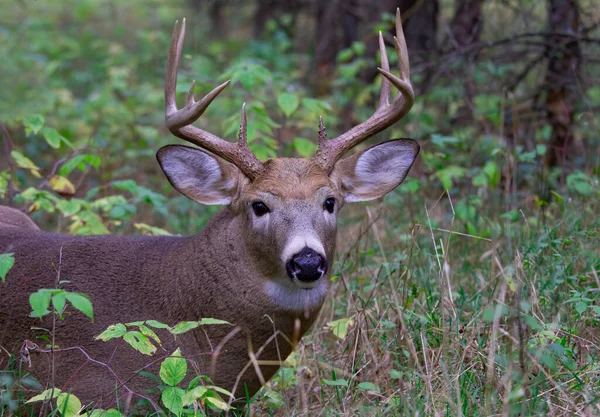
307, 265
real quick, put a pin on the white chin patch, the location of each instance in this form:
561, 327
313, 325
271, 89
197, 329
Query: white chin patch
296, 295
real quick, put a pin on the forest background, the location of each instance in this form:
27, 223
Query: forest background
472, 289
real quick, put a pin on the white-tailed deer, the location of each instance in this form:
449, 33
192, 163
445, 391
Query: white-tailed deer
262, 264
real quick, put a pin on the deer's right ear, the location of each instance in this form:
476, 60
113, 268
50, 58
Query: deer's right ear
198, 175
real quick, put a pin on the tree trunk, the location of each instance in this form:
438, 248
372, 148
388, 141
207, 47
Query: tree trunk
564, 56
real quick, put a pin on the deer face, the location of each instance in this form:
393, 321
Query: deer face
288, 213
287, 208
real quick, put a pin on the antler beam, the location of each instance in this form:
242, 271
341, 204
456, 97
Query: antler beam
330, 151
179, 121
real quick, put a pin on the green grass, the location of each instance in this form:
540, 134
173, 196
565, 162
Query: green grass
466, 326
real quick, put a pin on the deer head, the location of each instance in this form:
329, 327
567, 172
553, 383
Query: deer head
286, 208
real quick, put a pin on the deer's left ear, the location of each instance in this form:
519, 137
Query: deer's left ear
376, 171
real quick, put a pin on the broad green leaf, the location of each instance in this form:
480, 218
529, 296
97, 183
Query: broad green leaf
40, 301
113, 331
580, 307
172, 399
304, 147
53, 138
217, 403
288, 102
58, 301
139, 342
68, 405
340, 327
69, 207
150, 333
335, 382
157, 324
7, 260
82, 303
395, 374
173, 369
33, 123
489, 313
184, 326
369, 386
45, 395
194, 394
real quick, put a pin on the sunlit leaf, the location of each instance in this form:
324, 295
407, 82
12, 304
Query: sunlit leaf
172, 399
340, 327
139, 342
68, 405
82, 303
45, 395
62, 185
7, 260
113, 331
173, 369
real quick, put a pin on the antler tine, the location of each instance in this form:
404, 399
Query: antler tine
386, 114
179, 121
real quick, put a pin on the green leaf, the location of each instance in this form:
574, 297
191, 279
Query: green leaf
208, 320
580, 307
216, 403
288, 102
449, 174
395, 374
82, 303
146, 331
23, 162
33, 123
340, 327
172, 399
194, 394
184, 326
58, 301
173, 369
40, 301
53, 138
369, 386
45, 395
157, 324
490, 313
106, 413
7, 261
335, 382
113, 331
139, 342
68, 405
304, 147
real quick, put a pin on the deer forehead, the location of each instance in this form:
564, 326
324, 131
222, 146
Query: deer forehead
290, 178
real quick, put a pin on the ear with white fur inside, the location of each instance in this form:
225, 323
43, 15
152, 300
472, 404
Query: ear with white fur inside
198, 175
376, 171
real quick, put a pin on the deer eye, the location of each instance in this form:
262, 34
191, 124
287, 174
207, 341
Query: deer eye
329, 204
260, 208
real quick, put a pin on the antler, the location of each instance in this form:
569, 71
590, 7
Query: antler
386, 114
179, 121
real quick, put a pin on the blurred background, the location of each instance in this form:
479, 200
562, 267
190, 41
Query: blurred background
491, 76
499, 212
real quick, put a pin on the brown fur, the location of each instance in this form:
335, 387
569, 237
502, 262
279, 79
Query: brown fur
170, 279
